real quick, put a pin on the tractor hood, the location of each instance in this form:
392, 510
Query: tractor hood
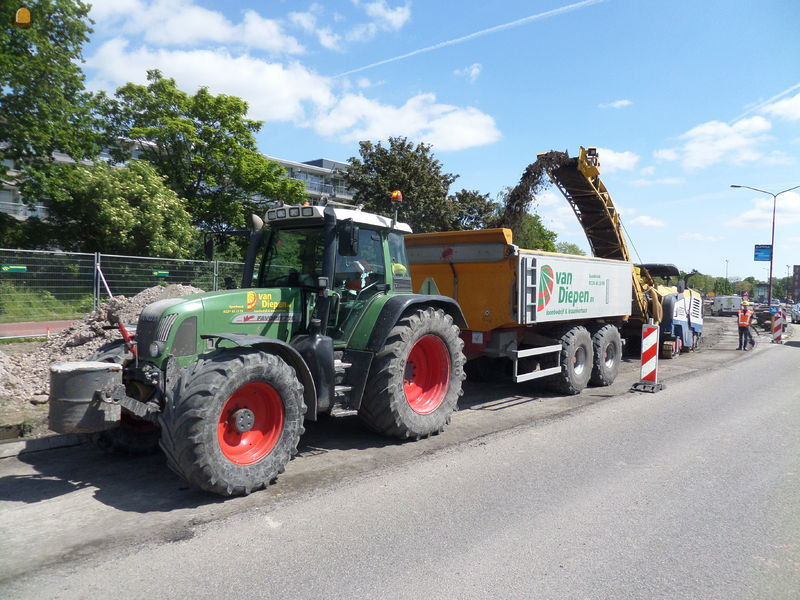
174, 326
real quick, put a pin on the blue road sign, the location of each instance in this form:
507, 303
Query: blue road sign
763, 252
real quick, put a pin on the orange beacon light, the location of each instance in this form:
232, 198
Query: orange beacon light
22, 18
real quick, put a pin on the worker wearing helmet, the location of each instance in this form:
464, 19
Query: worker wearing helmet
745, 319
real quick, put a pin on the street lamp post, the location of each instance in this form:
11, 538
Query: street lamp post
772, 241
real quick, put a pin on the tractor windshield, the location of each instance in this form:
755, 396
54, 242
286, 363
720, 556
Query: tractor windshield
293, 257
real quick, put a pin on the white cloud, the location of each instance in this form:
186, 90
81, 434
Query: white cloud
666, 154
183, 23
471, 72
700, 237
383, 19
307, 21
388, 18
759, 216
611, 161
647, 171
275, 92
787, 109
646, 221
659, 181
714, 142
421, 118
215, 52
616, 104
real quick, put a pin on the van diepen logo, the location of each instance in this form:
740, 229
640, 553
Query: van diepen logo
548, 279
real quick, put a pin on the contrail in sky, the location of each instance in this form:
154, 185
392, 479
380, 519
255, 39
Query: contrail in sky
471, 36
761, 105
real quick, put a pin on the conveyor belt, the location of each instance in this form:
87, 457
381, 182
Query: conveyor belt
595, 211
579, 181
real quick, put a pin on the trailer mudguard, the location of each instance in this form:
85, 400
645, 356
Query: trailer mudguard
284, 351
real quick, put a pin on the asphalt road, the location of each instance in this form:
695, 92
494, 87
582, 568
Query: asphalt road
688, 493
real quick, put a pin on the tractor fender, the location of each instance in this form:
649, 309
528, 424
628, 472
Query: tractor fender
396, 306
284, 351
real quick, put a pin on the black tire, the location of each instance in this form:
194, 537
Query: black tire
133, 435
386, 408
607, 349
195, 437
576, 361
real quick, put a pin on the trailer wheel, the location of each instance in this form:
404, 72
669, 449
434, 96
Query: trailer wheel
607, 348
576, 361
235, 421
133, 435
415, 380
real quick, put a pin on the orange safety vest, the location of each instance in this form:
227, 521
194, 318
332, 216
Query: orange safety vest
745, 316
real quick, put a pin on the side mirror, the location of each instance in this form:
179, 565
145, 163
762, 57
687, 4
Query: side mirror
348, 238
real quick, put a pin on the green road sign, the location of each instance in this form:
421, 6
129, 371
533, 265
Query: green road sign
14, 269
161, 273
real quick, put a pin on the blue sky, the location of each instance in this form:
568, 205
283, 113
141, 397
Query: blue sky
683, 98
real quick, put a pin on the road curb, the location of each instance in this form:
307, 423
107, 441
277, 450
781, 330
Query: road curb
12, 448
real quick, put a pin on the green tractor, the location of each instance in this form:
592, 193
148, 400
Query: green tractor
223, 381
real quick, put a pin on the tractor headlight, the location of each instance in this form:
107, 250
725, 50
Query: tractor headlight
156, 348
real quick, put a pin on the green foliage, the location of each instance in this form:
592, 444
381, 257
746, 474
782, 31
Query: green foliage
532, 235
44, 105
411, 169
126, 210
569, 248
203, 145
474, 210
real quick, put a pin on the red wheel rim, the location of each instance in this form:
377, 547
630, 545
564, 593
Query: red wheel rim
248, 447
427, 374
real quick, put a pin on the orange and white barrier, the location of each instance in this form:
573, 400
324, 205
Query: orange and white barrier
777, 327
649, 374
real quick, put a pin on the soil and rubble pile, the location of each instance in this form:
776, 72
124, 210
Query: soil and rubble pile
24, 377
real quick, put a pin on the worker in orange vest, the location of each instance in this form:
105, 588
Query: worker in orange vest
745, 317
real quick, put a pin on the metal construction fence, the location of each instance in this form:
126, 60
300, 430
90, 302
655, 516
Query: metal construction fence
40, 285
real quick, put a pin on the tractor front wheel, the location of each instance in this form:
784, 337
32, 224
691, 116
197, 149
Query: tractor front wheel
235, 421
416, 379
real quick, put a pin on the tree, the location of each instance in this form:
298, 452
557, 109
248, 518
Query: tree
43, 105
203, 145
125, 210
473, 210
411, 169
569, 248
531, 234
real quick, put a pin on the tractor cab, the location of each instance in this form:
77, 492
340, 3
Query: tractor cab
338, 259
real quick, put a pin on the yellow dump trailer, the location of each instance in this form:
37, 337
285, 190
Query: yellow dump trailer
540, 314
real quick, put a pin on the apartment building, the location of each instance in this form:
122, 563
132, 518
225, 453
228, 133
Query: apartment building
322, 177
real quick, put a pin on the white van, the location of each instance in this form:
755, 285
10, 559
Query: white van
726, 305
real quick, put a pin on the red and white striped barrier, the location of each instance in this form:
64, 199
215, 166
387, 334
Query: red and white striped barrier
777, 327
649, 377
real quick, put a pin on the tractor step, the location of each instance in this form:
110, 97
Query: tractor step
340, 411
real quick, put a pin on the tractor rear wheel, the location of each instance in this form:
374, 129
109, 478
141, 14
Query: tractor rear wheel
607, 348
132, 435
234, 422
576, 361
415, 380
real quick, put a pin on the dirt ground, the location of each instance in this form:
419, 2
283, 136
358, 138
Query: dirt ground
25, 366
